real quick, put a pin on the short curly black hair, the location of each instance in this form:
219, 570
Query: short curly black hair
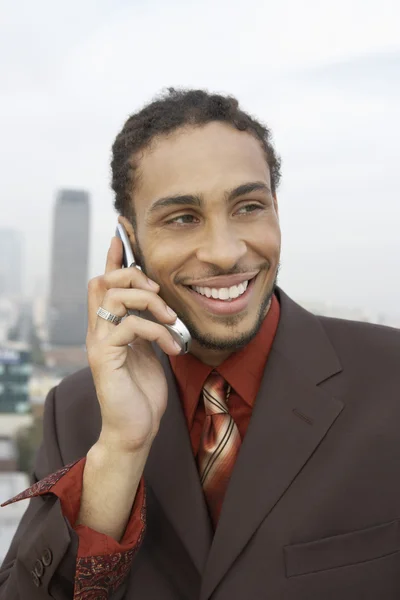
171, 110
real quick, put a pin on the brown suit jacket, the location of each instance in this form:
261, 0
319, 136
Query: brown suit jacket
313, 508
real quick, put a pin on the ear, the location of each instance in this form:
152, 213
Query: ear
129, 229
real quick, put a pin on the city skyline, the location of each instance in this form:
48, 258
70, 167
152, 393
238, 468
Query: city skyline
41, 295
324, 79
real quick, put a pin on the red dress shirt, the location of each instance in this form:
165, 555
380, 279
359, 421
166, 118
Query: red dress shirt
243, 370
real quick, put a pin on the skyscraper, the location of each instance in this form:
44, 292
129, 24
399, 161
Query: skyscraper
10, 262
69, 269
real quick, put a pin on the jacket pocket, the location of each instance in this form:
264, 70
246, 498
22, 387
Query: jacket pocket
342, 550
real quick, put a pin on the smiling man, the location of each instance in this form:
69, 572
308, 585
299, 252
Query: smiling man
263, 463
210, 236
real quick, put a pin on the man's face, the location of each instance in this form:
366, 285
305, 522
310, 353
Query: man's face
207, 225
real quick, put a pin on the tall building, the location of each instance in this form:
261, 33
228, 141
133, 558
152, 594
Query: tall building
69, 269
10, 262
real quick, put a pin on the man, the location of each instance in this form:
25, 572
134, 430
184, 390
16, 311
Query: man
264, 464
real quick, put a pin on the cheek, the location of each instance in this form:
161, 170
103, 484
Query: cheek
265, 239
161, 260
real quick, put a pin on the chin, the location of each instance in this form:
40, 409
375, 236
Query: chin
229, 337
228, 333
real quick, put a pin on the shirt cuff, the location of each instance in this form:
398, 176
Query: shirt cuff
66, 484
91, 542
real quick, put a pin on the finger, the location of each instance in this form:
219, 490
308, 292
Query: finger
118, 301
135, 327
119, 278
114, 255
129, 278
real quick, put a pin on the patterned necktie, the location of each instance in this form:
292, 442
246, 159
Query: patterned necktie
219, 445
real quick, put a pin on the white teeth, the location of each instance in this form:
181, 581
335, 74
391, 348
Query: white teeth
234, 291
222, 293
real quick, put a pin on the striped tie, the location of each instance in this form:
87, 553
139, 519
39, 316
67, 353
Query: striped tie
219, 445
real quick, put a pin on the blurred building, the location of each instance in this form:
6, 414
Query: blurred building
66, 360
21, 330
8, 316
11, 258
40, 308
15, 373
69, 269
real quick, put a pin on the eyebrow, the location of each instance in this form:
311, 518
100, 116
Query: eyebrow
198, 201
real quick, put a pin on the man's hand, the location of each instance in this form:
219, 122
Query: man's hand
129, 379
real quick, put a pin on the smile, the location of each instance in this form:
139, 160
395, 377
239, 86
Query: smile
223, 300
223, 293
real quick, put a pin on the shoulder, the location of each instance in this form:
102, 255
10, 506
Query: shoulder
376, 344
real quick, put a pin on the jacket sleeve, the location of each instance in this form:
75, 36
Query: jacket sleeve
49, 558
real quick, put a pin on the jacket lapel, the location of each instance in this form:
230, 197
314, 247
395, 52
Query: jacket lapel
171, 472
290, 418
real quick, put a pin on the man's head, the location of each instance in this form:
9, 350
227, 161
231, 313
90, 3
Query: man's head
195, 179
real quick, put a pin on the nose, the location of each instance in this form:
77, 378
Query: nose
221, 247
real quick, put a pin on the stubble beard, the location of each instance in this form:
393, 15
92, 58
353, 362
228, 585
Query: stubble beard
235, 341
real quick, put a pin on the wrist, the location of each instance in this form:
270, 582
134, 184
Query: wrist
106, 452
114, 443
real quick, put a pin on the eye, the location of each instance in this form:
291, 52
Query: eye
182, 220
248, 208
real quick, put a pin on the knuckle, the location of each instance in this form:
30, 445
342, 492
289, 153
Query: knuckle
154, 301
161, 333
95, 284
139, 323
131, 320
112, 294
133, 277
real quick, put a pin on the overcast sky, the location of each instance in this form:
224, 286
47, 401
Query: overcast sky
324, 75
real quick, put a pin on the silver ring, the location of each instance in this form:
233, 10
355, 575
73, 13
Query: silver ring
105, 314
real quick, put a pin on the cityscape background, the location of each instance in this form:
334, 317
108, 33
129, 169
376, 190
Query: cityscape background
324, 76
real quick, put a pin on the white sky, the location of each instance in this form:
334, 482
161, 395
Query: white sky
325, 76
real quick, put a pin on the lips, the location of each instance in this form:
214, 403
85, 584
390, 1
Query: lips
225, 281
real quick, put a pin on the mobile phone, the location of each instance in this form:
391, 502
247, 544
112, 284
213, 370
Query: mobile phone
178, 330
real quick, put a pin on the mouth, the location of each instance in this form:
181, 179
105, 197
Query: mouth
224, 300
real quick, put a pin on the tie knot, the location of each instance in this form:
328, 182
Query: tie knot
215, 391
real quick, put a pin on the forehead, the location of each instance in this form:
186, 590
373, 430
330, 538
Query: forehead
204, 159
